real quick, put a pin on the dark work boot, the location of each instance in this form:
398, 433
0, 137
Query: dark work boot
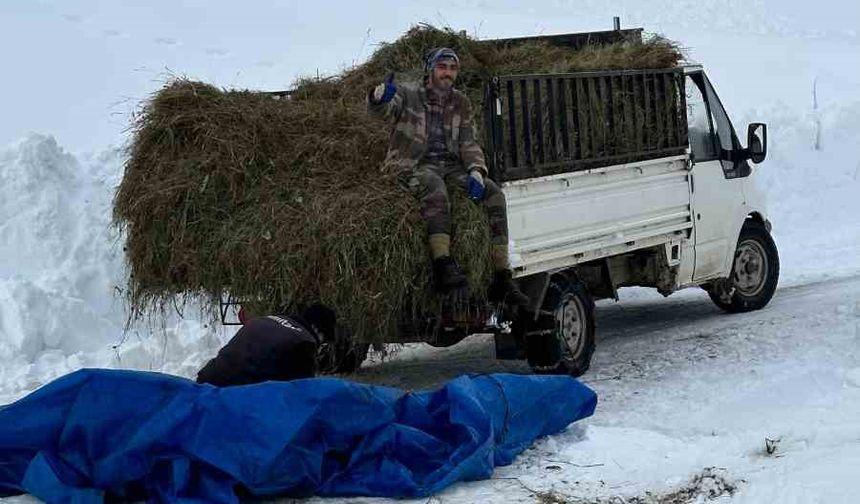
448, 275
504, 289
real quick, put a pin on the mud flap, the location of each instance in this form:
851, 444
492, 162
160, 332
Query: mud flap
507, 347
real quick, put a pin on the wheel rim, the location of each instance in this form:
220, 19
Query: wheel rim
572, 325
750, 269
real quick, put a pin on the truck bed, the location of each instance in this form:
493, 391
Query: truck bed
561, 220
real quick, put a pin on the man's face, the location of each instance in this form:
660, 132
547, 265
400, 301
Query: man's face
445, 73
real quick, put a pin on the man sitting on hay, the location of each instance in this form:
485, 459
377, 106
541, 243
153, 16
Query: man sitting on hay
432, 142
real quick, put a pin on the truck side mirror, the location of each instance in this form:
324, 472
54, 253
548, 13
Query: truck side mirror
757, 142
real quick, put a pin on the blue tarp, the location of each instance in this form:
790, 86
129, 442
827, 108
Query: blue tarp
98, 434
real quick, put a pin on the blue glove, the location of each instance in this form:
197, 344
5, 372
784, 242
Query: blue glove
475, 185
385, 91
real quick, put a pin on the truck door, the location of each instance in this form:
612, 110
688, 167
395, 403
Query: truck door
717, 192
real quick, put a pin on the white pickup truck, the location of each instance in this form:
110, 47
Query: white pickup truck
651, 188
687, 215
612, 179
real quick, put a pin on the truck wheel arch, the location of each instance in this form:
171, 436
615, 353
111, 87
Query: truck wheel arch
760, 218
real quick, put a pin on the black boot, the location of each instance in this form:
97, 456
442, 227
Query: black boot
448, 275
504, 289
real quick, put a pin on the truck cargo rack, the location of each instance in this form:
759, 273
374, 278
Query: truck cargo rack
543, 124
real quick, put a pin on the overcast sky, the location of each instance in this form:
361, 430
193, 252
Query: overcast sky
76, 69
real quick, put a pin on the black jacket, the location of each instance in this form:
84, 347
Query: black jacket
275, 347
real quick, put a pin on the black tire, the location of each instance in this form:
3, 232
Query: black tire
561, 340
754, 275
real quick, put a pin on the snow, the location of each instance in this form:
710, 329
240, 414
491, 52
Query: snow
684, 387
685, 390
61, 266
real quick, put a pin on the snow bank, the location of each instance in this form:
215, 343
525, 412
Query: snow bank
60, 268
812, 181
56, 266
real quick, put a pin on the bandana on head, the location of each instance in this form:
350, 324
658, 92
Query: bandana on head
437, 54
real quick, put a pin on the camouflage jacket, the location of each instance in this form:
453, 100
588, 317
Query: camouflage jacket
408, 141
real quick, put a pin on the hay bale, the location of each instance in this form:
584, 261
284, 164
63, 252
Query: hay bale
283, 202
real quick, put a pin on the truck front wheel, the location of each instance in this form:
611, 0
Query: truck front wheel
561, 340
755, 272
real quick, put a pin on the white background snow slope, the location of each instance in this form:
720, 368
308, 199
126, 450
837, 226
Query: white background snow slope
682, 386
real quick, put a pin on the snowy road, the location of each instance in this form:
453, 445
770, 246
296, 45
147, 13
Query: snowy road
684, 387
645, 337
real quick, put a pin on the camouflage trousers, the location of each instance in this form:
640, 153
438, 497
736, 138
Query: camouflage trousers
427, 183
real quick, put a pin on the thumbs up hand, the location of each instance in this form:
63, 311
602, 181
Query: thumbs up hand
384, 92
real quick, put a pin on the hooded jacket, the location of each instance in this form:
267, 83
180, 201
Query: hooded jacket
276, 347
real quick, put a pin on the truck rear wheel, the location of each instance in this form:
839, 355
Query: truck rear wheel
755, 272
561, 340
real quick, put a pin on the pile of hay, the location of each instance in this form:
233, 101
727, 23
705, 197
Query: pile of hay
282, 202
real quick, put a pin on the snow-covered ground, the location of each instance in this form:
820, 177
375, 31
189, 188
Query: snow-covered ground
685, 390
61, 274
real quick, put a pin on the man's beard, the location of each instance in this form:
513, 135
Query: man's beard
442, 84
